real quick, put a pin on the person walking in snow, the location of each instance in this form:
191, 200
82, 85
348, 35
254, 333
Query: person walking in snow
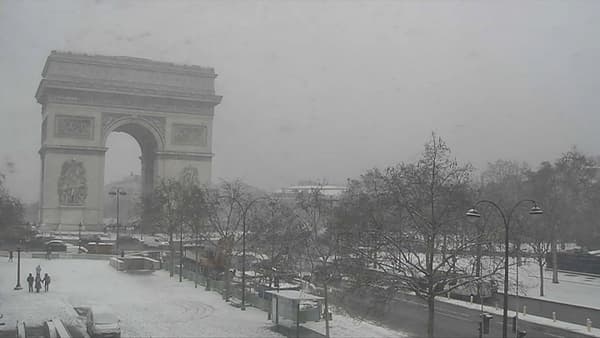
38, 270
46, 281
10, 256
30, 282
38, 283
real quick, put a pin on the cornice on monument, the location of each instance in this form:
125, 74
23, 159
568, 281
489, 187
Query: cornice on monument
124, 101
119, 81
129, 63
111, 87
178, 155
63, 149
127, 87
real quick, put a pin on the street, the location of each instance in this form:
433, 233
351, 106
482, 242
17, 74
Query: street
410, 314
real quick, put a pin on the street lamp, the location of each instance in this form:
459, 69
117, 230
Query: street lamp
506, 218
180, 251
80, 226
18, 287
245, 211
117, 193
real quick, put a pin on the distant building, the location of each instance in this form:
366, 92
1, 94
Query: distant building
330, 191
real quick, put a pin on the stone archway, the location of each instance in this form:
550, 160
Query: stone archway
168, 109
149, 136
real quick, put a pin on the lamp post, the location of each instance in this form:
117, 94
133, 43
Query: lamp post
18, 287
117, 193
506, 218
180, 251
80, 226
244, 213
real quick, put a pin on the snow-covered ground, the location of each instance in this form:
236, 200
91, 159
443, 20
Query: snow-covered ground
147, 304
572, 288
344, 326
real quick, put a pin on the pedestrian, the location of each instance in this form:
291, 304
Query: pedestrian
38, 283
46, 281
10, 256
38, 270
30, 282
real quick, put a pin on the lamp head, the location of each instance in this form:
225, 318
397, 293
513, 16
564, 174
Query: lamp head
535, 210
473, 213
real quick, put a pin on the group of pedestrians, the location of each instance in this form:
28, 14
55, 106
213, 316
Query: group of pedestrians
38, 280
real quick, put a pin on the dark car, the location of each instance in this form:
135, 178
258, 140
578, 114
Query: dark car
56, 245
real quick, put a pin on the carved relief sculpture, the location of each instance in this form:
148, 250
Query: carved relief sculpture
188, 134
72, 184
74, 127
189, 176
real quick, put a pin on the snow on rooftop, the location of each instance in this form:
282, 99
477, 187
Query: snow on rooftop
327, 190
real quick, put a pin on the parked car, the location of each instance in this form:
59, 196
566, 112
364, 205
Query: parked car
101, 322
75, 248
56, 245
156, 243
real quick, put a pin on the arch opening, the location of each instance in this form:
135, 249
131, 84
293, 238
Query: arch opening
130, 164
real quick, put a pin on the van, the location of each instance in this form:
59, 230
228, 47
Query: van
101, 322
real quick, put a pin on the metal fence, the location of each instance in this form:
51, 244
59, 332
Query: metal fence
235, 289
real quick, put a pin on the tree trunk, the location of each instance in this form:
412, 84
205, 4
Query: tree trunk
444, 242
431, 287
518, 252
171, 266
541, 278
227, 266
431, 315
478, 260
326, 312
554, 262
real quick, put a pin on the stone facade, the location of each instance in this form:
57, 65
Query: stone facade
167, 108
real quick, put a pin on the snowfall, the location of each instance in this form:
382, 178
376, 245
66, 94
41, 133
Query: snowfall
149, 305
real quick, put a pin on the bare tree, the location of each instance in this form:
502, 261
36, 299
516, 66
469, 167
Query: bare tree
168, 203
414, 215
275, 235
11, 208
315, 211
224, 219
563, 189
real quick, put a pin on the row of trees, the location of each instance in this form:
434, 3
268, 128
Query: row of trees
11, 208
397, 228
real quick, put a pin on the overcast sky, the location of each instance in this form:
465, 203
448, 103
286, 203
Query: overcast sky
327, 89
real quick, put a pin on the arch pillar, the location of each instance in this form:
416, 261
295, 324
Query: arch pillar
167, 108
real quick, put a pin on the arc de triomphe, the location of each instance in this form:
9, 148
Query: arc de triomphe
167, 108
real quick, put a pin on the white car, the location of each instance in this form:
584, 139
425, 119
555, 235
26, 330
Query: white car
75, 248
101, 322
156, 242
